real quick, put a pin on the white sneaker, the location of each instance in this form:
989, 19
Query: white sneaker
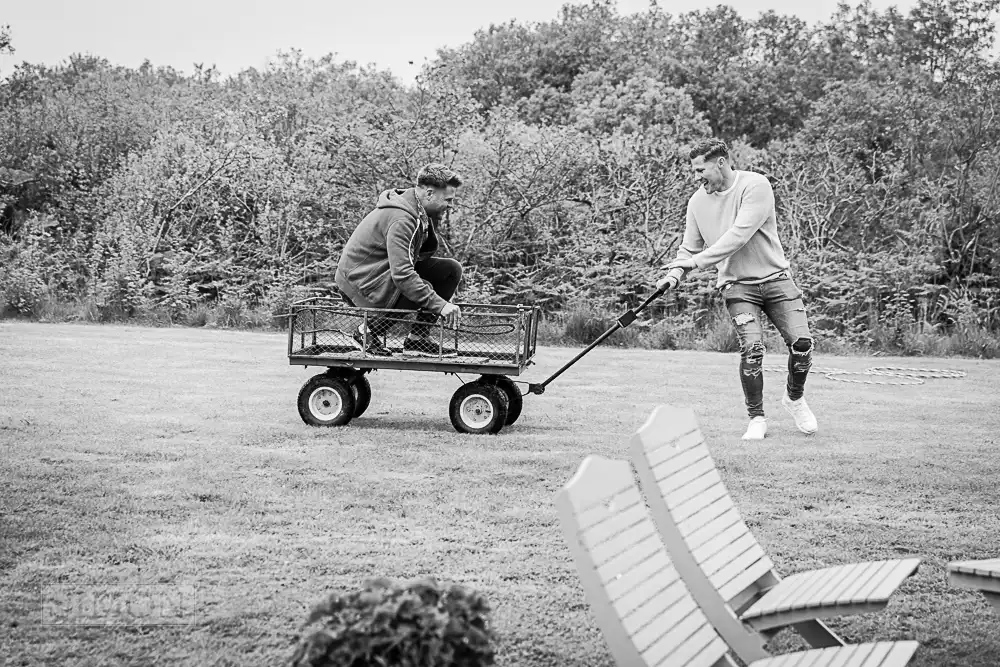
757, 429
800, 412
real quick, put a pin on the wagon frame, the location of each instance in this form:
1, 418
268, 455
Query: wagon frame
492, 341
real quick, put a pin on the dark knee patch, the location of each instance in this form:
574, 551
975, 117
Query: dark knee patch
802, 355
802, 345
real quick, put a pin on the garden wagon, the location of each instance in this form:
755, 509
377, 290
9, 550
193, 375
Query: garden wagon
492, 341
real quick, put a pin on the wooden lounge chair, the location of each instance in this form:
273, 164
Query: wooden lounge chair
980, 575
643, 608
719, 558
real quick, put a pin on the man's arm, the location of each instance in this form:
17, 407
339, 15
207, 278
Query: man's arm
757, 205
399, 240
691, 244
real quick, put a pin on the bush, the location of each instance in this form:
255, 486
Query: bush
719, 333
585, 326
661, 335
417, 624
22, 290
22, 286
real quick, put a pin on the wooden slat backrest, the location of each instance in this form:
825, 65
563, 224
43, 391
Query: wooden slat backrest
691, 487
709, 543
642, 607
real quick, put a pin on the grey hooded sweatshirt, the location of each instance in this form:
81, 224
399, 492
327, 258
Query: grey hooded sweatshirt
376, 266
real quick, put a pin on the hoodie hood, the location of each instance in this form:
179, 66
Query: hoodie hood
397, 228
401, 199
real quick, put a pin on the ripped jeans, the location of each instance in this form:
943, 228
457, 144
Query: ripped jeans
781, 301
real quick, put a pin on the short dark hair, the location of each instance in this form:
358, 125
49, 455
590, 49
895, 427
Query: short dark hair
709, 149
437, 175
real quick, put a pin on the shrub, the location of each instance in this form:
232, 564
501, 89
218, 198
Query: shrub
660, 335
719, 334
584, 326
22, 286
200, 315
231, 312
416, 624
23, 290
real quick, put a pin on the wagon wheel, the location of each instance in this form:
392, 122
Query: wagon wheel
326, 400
478, 407
514, 398
362, 393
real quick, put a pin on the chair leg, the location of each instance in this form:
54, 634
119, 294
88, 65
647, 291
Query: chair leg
817, 634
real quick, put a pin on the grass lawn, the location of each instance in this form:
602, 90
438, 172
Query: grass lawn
176, 457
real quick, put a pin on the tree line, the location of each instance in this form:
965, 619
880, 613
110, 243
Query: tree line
128, 192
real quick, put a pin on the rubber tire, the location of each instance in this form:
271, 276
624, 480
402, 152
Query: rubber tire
362, 393
497, 399
515, 400
337, 384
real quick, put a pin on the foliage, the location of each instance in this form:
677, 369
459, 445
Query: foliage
416, 624
22, 286
5, 41
154, 195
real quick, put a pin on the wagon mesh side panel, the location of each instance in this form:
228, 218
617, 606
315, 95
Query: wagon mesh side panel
487, 334
491, 334
325, 330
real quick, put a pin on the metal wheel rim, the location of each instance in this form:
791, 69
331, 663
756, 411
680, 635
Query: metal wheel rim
325, 404
476, 410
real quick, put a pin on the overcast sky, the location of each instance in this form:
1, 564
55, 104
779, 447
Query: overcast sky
237, 34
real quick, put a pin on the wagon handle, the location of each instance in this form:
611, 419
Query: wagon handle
626, 319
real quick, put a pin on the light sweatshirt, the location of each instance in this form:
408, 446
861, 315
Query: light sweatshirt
736, 230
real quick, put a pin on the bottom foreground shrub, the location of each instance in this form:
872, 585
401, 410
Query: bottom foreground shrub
415, 624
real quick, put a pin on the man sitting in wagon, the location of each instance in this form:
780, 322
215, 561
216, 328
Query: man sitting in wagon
389, 262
